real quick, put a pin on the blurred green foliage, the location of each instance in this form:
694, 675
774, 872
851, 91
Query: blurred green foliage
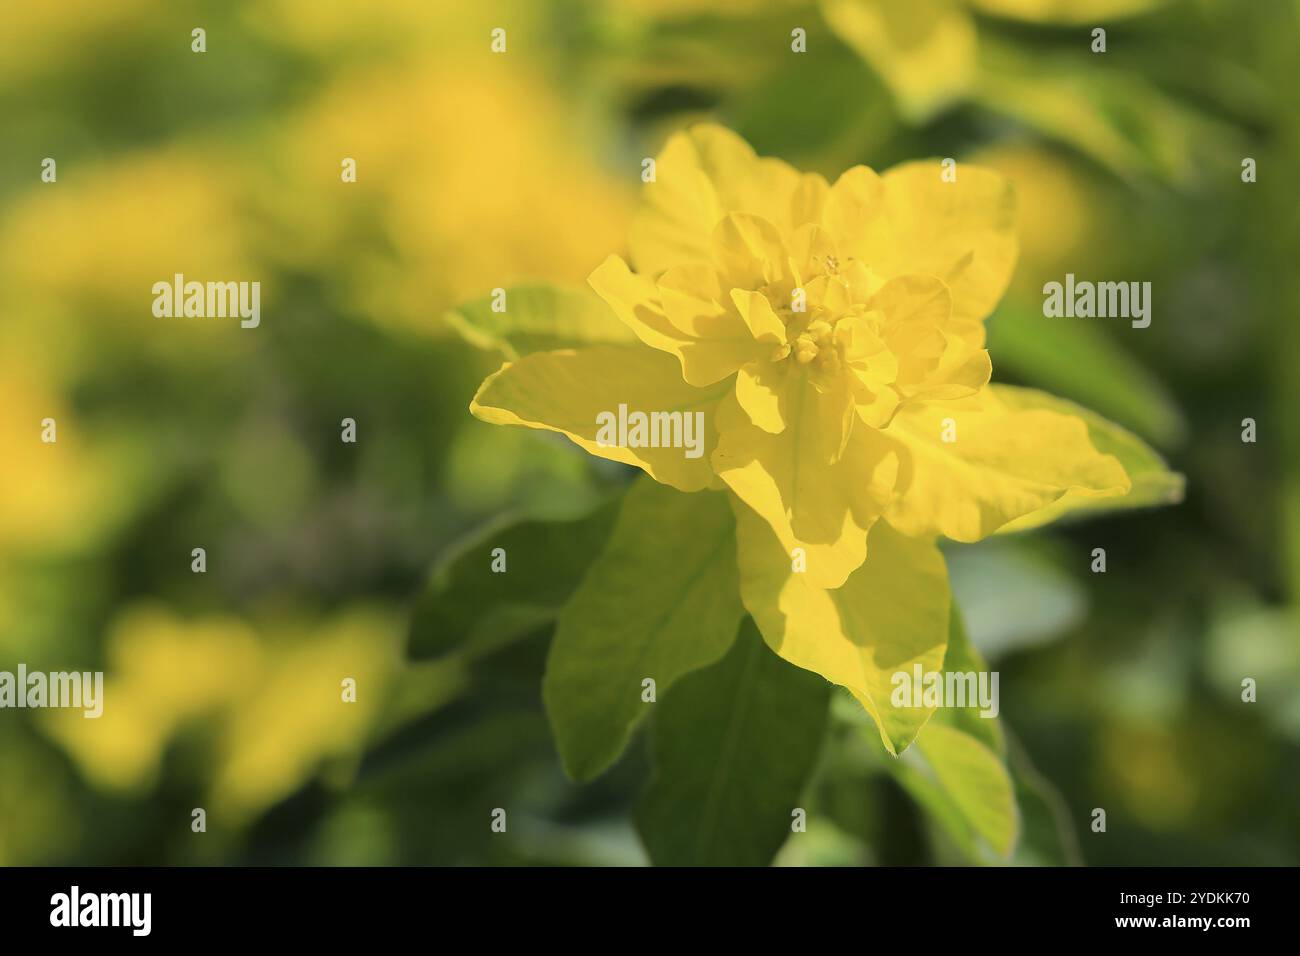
1119, 690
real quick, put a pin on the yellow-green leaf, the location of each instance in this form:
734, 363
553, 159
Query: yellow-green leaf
924, 50
1117, 118
539, 317
964, 787
1081, 361
566, 391
1067, 11
1153, 484
970, 466
890, 615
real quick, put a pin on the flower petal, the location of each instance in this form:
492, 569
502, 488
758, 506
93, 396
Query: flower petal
912, 301
703, 174
962, 371
890, 615
748, 251
811, 247
811, 499
962, 231
756, 312
565, 391
709, 342
1001, 462
763, 391
852, 205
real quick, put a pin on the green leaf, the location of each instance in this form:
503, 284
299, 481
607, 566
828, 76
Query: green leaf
466, 602
798, 110
1047, 837
733, 747
1078, 360
963, 658
539, 318
661, 600
1153, 483
964, 788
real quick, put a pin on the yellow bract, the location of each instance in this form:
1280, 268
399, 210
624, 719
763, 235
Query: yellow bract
832, 336
928, 52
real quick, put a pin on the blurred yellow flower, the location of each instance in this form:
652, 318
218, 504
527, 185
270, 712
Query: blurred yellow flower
441, 157
82, 256
267, 702
58, 499
49, 493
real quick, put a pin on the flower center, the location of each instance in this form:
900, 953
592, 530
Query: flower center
818, 342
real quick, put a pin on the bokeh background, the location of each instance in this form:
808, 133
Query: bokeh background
478, 170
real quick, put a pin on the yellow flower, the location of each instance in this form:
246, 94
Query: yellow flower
831, 337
